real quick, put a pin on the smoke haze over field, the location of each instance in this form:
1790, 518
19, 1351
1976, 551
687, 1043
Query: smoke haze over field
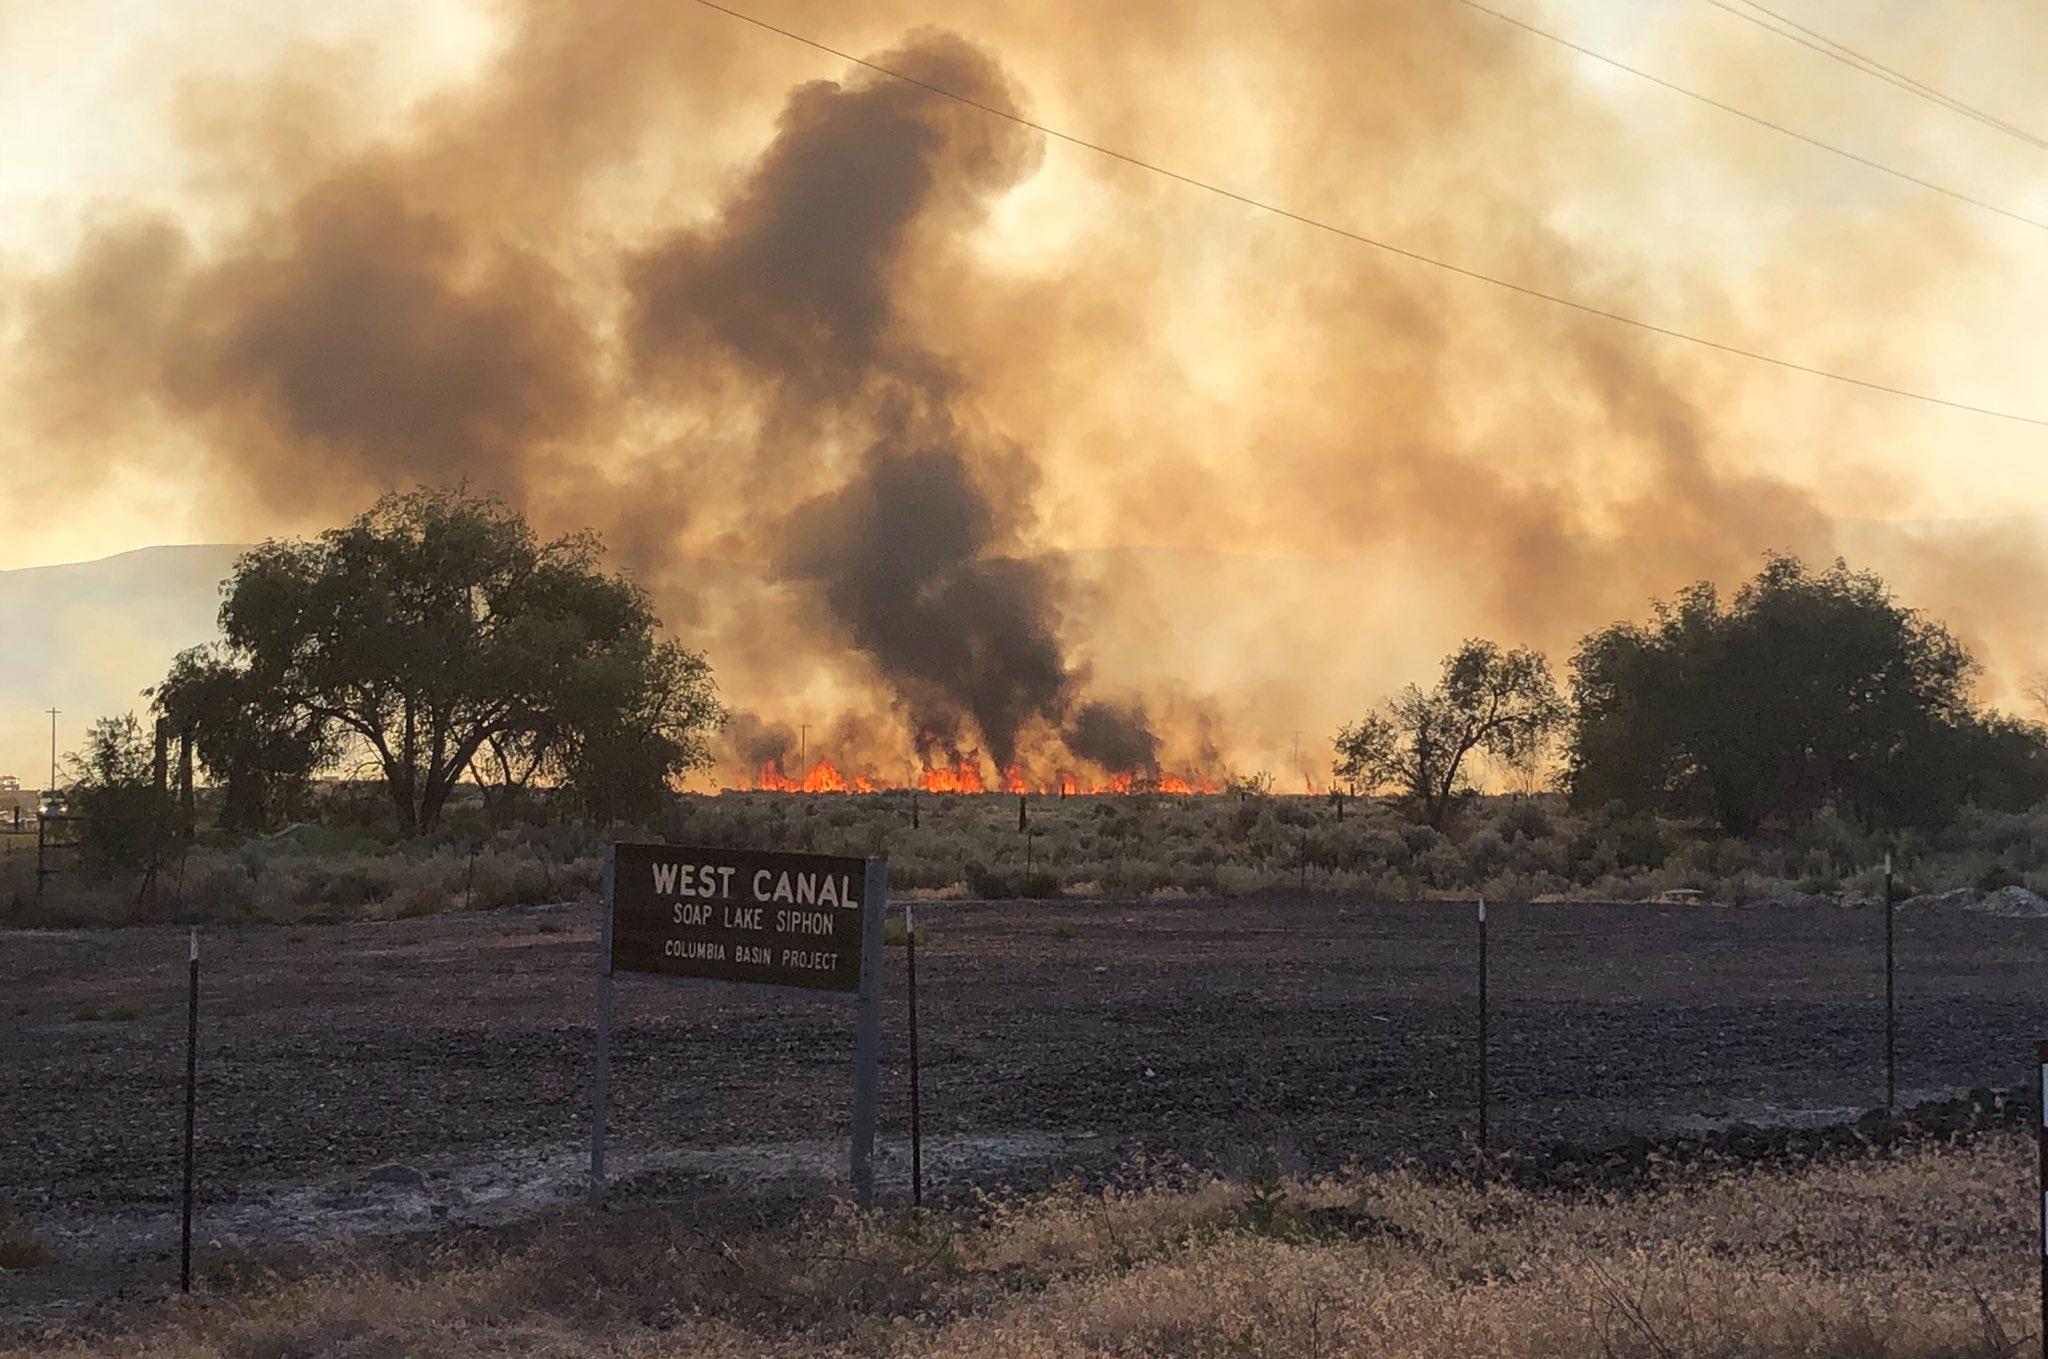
937, 382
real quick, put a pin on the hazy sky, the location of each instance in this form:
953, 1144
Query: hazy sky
1141, 364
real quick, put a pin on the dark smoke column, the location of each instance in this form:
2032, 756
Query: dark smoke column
796, 293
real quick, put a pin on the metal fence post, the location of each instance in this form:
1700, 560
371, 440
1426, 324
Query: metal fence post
2043, 1056
191, 1113
1484, 1025
1891, 1015
916, 1111
601, 1071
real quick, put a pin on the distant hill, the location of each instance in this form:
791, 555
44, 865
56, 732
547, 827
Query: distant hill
87, 637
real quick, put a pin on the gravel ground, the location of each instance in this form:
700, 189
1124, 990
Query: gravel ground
1056, 1036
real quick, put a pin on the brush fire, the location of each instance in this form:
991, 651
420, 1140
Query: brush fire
966, 777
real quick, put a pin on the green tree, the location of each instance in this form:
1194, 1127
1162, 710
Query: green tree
261, 750
437, 623
1421, 742
123, 817
1807, 689
641, 717
2004, 761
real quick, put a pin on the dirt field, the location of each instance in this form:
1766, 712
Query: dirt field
398, 1075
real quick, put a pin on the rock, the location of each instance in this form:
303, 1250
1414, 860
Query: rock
2014, 902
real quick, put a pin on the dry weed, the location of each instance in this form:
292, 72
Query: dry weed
1914, 1255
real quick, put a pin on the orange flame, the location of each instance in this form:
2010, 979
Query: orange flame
964, 777
823, 778
819, 778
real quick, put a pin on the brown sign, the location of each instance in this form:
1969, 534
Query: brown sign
739, 915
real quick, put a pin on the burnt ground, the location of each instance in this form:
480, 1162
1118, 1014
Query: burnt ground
388, 1076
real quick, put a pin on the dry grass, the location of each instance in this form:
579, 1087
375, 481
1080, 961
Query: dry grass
1160, 847
1924, 1254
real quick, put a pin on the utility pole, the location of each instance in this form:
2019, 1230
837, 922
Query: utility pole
803, 748
53, 751
1297, 760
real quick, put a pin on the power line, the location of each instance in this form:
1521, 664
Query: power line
1828, 47
1875, 67
1779, 128
1403, 252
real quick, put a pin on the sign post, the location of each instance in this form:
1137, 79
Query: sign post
805, 925
867, 1033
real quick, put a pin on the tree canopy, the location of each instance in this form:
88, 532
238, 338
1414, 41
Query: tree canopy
113, 792
261, 750
1804, 690
435, 630
1502, 703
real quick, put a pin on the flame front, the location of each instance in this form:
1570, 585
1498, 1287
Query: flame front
819, 778
965, 776
823, 778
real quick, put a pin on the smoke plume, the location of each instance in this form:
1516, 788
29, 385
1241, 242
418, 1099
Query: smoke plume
956, 446
795, 287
